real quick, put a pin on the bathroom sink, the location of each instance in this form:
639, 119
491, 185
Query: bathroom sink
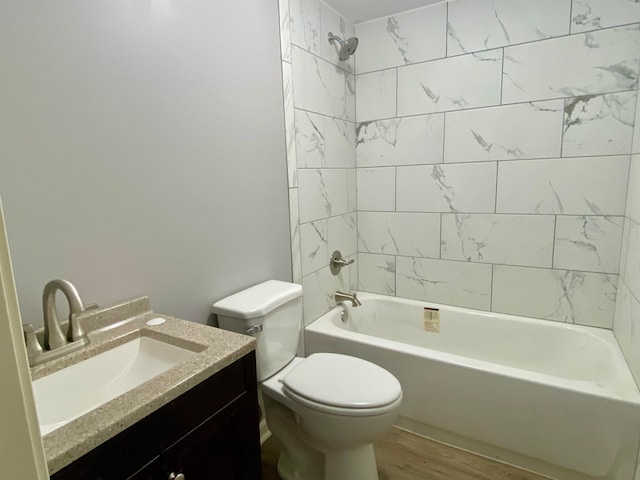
73, 391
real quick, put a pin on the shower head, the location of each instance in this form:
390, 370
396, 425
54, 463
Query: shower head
347, 47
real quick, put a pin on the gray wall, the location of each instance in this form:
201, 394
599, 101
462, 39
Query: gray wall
142, 149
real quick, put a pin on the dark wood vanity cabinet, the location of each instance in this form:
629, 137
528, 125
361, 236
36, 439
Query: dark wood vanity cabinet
210, 432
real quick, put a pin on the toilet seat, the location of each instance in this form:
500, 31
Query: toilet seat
342, 385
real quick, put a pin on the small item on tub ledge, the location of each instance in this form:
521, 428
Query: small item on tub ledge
156, 321
431, 320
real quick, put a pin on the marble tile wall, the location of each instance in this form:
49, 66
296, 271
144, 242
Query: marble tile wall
493, 146
319, 92
627, 319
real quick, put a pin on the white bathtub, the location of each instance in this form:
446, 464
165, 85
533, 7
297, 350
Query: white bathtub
553, 398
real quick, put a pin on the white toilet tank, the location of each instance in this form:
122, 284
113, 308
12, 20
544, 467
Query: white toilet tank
272, 313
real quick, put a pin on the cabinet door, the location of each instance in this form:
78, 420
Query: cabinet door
225, 447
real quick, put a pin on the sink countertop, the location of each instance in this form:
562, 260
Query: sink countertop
113, 326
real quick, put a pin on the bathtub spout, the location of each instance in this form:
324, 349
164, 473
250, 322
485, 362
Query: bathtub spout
341, 297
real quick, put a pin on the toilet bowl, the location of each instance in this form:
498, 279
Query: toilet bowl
325, 409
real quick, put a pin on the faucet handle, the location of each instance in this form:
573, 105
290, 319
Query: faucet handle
337, 262
31, 341
74, 329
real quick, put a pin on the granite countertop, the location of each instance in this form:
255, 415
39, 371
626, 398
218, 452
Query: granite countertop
113, 326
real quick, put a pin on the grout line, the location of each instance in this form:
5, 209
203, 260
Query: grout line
631, 292
571, 16
530, 42
622, 238
446, 31
553, 241
502, 79
397, 89
512, 214
491, 289
461, 111
486, 162
510, 265
564, 106
395, 185
441, 218
395, 275
444, 137
495, 205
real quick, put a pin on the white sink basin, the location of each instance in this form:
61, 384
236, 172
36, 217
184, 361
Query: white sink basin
73, 391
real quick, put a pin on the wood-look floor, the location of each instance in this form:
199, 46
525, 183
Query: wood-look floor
401, 455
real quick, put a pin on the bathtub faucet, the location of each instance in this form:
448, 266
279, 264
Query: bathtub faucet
341, 297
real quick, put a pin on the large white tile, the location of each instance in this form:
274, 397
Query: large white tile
377, 273
285, 30
309, 136
560, 295
319, 289
402, 39
588, 243
305, 24
598, 125
630, 264
314, 246
455, 83
343, 234
400, 141
572, 186
452, 283
482, 24
294, 230
324, 141
322, 193
465, 188
633, 194
340, 143
376, 189
596, 14
527, 130
376, 95
332, 21
627, 328
318, 85
588, 63
289, 123
504, 239
394, 233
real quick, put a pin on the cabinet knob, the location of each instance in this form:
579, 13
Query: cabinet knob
173, 476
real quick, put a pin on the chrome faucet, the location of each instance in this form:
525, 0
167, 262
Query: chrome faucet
342, 297
55, 343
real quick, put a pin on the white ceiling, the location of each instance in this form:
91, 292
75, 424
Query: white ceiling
358, 11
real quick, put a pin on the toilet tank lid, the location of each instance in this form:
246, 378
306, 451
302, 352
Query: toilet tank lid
258, 300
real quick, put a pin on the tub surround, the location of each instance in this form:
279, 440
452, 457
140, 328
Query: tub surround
517, 118
112, 326
538, 142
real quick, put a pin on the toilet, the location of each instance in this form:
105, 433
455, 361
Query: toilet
325, 409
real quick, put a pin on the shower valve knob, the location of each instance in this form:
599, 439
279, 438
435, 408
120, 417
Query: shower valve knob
337, 262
